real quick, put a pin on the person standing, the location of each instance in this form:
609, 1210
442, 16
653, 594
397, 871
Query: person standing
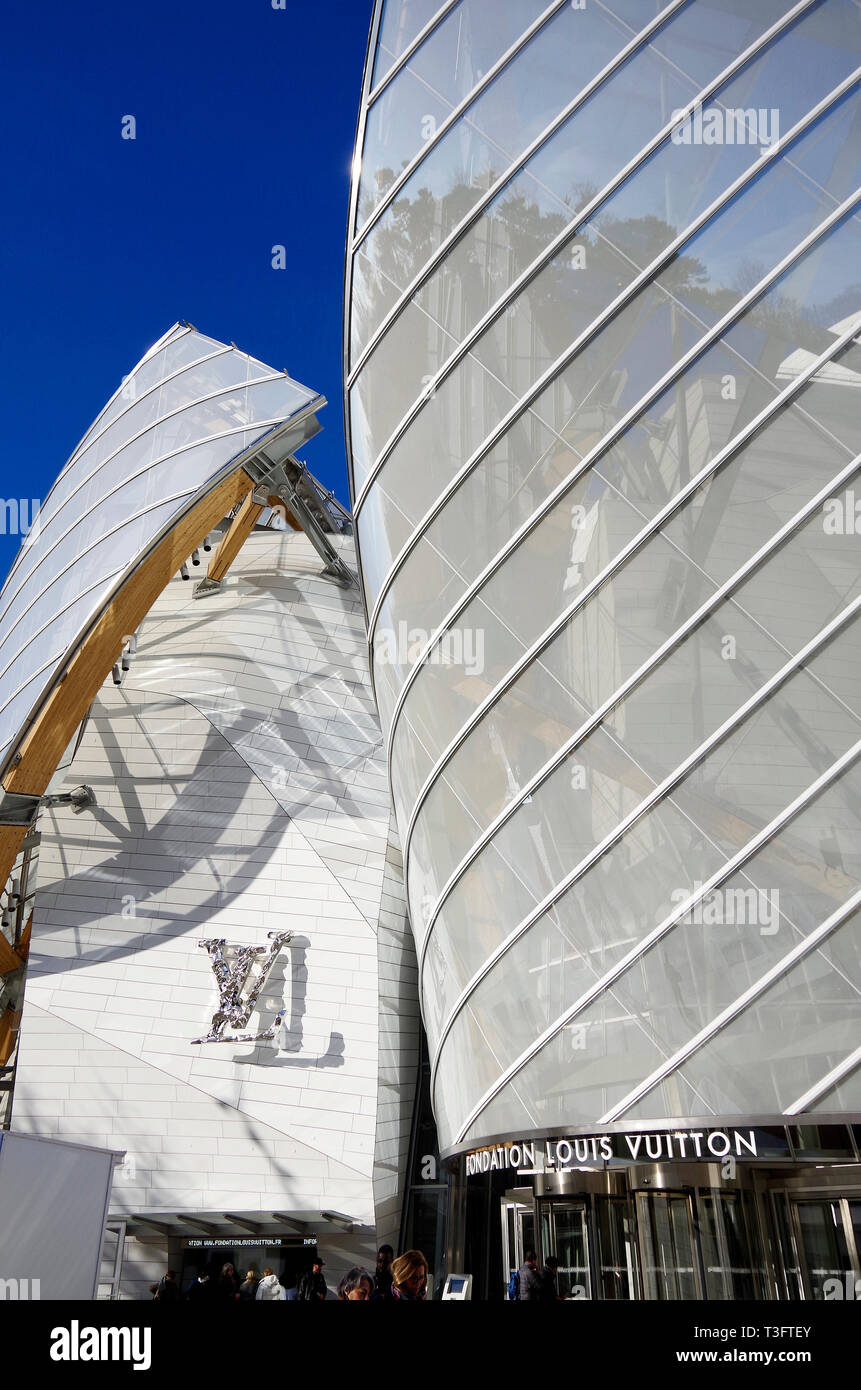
383, 1273
269, 1290
410, 1275
530, 1279
548, 1293
227, 1288
356, 1286
201, 1289
313, 1287
167, 1290
248, 1287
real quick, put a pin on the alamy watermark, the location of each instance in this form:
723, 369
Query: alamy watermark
77, 1343
404, 645
742, 907
20, 1290
19, 516
841, 516
727, 126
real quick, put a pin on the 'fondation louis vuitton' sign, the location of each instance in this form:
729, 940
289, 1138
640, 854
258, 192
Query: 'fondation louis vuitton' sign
556, 1155
240, 973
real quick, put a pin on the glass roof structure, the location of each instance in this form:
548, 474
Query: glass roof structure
603, 396
191, 413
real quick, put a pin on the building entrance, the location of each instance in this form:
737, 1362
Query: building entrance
287, 1256
693, 1243
775, 1214
820, 1243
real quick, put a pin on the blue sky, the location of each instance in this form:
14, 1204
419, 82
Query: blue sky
245, 125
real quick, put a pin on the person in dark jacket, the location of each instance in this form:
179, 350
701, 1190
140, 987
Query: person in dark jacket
167, 1290
201, 1289
548, 1292
227, 1288
530, 1279
383, 1273
313, 1286
248, 1287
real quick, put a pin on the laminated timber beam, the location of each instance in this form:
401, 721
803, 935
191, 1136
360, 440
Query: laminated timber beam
240, 529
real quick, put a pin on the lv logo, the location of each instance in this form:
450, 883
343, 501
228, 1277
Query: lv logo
248, 966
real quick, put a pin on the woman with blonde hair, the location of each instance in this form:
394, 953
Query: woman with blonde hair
410, 1275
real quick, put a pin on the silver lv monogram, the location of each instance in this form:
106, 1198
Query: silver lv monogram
235, 1008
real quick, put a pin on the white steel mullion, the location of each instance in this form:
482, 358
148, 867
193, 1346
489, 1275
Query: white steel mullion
826, 1083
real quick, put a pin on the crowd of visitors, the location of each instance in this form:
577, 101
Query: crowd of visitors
392, 1280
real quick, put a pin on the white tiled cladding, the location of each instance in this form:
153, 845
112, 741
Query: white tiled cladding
241, 790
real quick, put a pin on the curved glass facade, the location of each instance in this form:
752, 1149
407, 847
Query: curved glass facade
188, 415
605, 434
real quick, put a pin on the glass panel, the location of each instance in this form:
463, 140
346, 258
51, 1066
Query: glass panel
617, 1247
598, 140
823, 1243
666, 1242
558, 62
844, 1098
821, 1141
75, 573
793, 1287
402, 22
173, 455
724, 1244
570, 1246
185, 348
63, 610
790, 1037
633, 226
757, 1064
99, 472
218, 374
441, 73
697, 687
671, 440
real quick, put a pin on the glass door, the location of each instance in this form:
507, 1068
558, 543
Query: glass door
518, 1235
617, 1249
564, 1233
827, 1240
725, 1246
667, 1246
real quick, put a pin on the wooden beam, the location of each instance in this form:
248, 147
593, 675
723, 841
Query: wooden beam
13, 957
9, 958
11, 839
10, 1022
51, 732
240, 529
22, 950
234, 538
